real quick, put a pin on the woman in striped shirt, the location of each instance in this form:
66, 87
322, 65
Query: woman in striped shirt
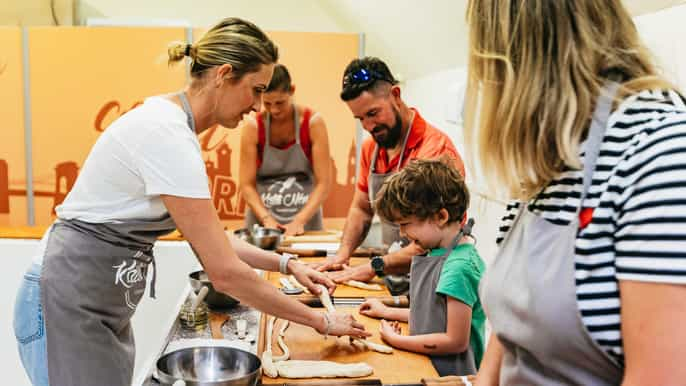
590, 143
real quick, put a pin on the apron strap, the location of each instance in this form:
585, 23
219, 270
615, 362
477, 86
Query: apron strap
296, 125
187, 109
596, 134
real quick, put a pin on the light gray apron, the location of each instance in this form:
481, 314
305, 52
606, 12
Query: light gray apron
529, 293
285, 180
428, 311
93, 277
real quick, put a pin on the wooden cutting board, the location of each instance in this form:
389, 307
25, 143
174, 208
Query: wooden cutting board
342, 291
305, 343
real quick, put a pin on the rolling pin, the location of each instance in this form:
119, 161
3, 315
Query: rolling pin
302, 252
393, 301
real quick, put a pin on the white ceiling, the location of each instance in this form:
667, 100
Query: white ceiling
417, 38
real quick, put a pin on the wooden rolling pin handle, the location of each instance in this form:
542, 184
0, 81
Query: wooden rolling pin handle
302, 252
393, 301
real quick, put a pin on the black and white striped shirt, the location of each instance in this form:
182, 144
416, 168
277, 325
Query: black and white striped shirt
638, 228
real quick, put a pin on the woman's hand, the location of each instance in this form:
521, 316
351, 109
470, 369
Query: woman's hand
270, 222
390, 330
310, 278
338, 324
294, 228
374, 308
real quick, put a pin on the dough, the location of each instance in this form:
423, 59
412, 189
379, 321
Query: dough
268, 367
322, 369
286, 353
363, 285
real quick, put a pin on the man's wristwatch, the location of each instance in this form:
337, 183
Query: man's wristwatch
378, 265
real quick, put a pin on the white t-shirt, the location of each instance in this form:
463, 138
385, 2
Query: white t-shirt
147, 152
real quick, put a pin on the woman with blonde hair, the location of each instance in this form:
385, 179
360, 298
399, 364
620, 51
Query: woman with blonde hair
590, 142
144, 177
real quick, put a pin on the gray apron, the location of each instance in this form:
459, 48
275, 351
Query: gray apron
428, 311
285, 181
529, 293
390, 232
93, 277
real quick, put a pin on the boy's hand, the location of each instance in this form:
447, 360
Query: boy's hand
362, 272
374, 308
389, 331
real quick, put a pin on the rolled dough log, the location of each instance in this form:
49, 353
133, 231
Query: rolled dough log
322, 369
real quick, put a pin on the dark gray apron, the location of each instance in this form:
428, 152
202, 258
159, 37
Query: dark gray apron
285, 180
93, 277
390, 232
529, 293
428, 311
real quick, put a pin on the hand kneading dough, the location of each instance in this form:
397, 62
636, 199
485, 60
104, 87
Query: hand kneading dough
328, 304
322, 369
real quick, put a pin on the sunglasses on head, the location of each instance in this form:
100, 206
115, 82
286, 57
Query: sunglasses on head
362, 76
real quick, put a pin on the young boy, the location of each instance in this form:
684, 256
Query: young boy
428, 200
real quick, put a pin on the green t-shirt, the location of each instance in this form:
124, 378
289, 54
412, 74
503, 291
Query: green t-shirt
460, 277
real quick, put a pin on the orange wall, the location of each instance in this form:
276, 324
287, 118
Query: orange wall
84, 78
12, 155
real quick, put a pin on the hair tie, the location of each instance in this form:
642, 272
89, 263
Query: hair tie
188, 50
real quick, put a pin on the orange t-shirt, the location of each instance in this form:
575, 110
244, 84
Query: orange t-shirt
424, 142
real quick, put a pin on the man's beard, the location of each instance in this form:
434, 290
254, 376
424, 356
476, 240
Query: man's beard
392, 136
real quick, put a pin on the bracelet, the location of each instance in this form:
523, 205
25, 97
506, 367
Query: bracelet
328, 325
283, 262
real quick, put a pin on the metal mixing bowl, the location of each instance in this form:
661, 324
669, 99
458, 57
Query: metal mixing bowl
243, 234
209, 366
214, 299
266, 238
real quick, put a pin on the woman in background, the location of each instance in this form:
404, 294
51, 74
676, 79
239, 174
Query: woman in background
285, 161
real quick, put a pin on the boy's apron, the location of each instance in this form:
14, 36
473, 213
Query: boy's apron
428, 311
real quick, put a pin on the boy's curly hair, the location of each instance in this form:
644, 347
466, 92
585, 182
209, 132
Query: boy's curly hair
422, 189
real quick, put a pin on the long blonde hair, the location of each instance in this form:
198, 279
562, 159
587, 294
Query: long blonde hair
535, 70
235, 41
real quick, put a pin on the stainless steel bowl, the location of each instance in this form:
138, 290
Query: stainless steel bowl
244, 234
209, 366
267, 238
214, 299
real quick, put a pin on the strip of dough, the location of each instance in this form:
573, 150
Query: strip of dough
267, 362
286, 353
363, 285
328, 304
322, 369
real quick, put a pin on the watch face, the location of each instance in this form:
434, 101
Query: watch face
377, 263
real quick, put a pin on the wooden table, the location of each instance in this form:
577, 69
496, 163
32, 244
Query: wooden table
306, 344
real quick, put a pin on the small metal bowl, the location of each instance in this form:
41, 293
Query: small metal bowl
209, 366
244, 234
267, 238
214, 299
